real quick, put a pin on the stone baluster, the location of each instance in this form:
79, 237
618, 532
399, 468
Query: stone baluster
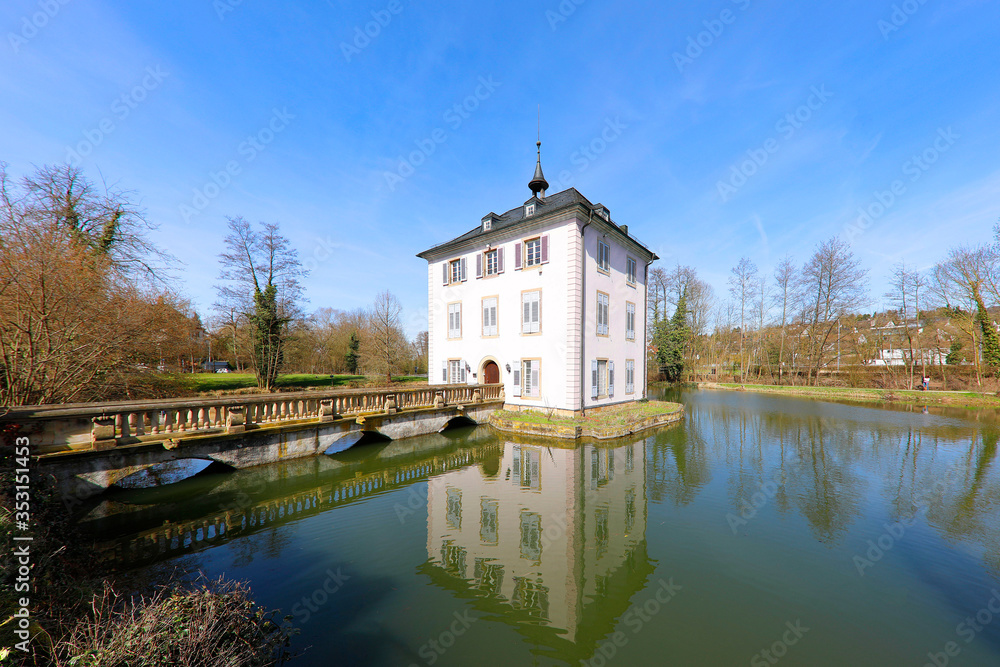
153, 421
236, 420
102, 433
326, 410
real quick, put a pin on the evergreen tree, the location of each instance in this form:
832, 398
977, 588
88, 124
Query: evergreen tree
352, 356
955, 356
267, 328
671, 339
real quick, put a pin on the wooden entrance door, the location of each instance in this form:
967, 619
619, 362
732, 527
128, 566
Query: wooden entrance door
491, 373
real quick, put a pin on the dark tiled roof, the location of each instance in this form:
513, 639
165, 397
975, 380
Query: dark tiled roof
515, 215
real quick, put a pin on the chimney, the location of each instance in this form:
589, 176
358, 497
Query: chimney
624, 229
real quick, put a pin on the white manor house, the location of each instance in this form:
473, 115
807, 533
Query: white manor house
548, 298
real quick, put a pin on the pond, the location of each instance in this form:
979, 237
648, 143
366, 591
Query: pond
760, 530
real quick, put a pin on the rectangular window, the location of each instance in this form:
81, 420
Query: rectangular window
529, 376
630, 271
492, 263
489, 510
456, 270
603, 256
490, 316
531, 535
603, 313
456, 371
630, 376
454, 320
533, 252
453, 517
531, 312
629, 320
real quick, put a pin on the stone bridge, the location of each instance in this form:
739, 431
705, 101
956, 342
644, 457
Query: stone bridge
89, 447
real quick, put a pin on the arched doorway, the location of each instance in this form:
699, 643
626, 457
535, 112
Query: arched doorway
491, 373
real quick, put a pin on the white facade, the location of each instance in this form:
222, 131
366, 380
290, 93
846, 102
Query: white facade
546, 293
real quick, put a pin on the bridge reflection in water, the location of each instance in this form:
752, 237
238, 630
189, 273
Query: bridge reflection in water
145, 526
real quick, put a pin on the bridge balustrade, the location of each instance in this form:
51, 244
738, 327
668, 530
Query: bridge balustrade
102, 426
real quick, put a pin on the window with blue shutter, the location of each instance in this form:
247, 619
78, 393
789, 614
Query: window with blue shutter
603, 314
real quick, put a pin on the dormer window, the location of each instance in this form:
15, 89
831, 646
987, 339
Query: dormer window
529, 210
487, 225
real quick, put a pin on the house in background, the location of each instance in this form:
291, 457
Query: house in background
548, 298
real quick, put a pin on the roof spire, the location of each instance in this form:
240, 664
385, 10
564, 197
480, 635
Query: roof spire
538, 184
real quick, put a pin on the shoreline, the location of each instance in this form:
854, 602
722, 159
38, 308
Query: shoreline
960, 399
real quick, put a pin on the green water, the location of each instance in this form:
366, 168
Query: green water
762, 530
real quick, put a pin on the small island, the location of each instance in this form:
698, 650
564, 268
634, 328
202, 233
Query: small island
605, 424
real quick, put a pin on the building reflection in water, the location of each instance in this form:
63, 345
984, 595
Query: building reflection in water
548, 537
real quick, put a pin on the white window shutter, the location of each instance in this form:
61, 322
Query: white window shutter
593, 381
479, 265
462, 365
517, 377
526, 316
517, 256
444, 372
545, 249
536, 313
462, 278
500, 260
445, 267
611, 378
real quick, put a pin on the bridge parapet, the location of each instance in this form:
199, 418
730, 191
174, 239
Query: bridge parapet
99, 426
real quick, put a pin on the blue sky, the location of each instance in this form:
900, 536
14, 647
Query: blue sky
305, 120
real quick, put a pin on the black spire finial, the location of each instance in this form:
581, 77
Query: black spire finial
538, 182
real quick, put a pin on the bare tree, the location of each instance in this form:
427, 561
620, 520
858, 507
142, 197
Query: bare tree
785, 299
260, 274
742, 285
834, 285
76, 321
904, 295
386, 341
109, 223
959, 283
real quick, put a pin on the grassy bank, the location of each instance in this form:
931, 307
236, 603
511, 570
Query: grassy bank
950, 398
83, 613
609, 423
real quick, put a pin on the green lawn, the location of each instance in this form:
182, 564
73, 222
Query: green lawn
953, 398
204, 382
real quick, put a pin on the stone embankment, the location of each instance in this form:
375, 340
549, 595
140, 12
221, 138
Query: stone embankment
605, 424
